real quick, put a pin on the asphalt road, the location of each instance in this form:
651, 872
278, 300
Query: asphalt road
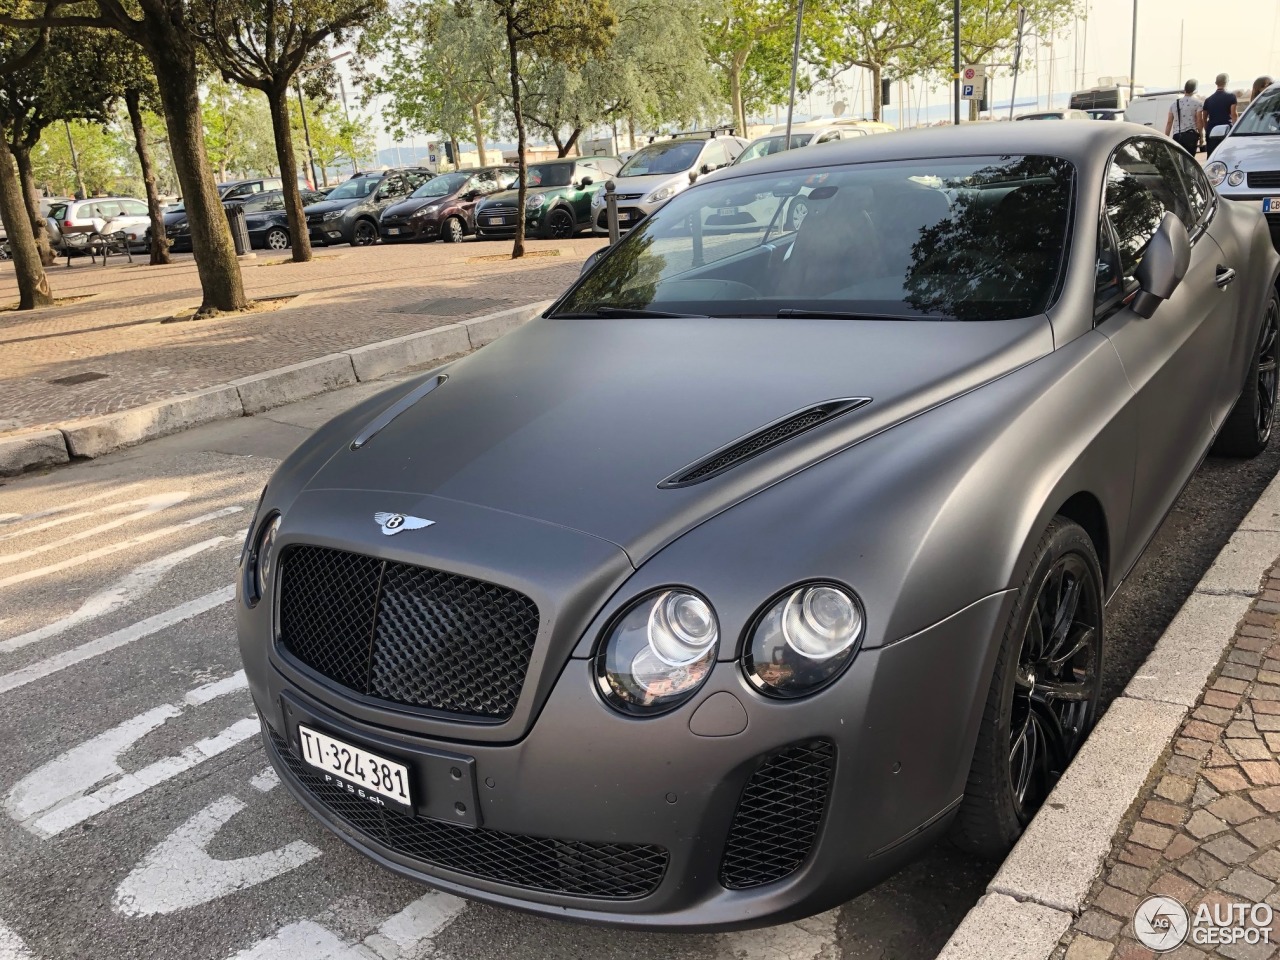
140, 819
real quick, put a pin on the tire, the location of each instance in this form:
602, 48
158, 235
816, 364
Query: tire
277, 238
559, 225
796, 213
365, 234
1020, 755
1247, 430
453, 230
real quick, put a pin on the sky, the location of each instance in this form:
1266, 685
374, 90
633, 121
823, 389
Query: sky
1238, 37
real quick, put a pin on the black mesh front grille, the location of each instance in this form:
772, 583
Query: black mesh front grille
1264, 178
406, 634
778, 815
607, 871
765, 439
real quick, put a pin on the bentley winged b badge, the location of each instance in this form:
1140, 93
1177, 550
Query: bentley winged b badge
393, 523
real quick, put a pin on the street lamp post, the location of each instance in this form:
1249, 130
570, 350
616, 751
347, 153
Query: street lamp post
1133, 49
955, 56
795, 61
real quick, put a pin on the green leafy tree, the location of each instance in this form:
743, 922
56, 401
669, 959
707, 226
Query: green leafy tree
733, 33
336, 139
263, 44
570, 31
237, 130
440, 71
98, 151
989, 29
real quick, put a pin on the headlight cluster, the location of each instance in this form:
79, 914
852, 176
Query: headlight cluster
1235, 178
535, 201
259, 564
662, 193
1216, 171
332, 215
661, 650
426, 211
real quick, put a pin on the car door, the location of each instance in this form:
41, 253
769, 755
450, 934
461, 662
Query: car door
1173, 359
580, 196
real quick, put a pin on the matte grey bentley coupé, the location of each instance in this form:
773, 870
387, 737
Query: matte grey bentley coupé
780, 545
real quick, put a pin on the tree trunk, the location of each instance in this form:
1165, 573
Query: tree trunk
877, 96
174, 59
736, 66
453, 143
631, 132
31, 200
159, 241
569, 144
299, 238
517, 248
477, 124
33, 285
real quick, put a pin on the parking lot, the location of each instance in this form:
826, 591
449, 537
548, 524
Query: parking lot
140, 818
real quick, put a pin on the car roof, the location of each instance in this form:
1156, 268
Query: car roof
1080, 143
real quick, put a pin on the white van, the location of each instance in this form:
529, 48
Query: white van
1151, 109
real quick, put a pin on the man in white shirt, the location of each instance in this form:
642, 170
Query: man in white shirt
1186, 119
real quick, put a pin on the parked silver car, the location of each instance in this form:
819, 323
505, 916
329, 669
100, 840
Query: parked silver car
1246, 165
123, 213
656, 173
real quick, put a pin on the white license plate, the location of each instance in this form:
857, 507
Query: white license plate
356, 768
495, 221
623, 216
393, 231
1271, 205
728, 211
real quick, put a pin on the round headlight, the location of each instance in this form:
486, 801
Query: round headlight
261, 561
534, 202
662, 193
804, 640
1236, 178
659, 653
1216, 171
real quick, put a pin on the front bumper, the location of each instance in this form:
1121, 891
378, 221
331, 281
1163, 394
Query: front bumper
1254, 196
631, 210
396, 231
502, 223
900, 724
332, 231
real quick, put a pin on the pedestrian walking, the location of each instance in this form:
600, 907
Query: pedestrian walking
1186, 118
1220, 110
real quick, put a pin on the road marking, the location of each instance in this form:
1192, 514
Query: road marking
97, 759
148, 505
810, 939
265, 781
112, 641
412, 929
11, 945
179, 873
81, 558
132, 586
133, 784
7, 518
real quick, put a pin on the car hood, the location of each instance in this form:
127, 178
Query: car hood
647, 183
512, 197
324, 206
407, 207
1249, 152
577, 422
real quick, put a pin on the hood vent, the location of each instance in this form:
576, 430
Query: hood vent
400, 406
766, 438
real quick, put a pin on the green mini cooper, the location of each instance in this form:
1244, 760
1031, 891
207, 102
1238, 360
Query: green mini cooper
558, 204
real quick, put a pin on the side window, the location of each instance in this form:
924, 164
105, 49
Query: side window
1199, 193
134, 208
106, 210
829, 136
1107, 285
413, 180
1142, 186
714, 156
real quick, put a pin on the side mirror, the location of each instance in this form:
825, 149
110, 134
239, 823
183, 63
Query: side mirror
471, 195
586, 182
705, 168
592, 260
1163, 266
1221, 130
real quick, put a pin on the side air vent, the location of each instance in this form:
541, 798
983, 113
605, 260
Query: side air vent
766, 438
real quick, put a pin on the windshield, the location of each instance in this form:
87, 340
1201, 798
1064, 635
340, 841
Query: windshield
356, 189
1262, 117
442, 185
549, 175
972, 238
673, 156
770, 145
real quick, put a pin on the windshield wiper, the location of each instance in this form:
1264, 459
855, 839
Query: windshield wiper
802, 314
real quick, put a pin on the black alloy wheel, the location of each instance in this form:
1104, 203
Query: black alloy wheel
560, 225
277, 239
1044, 693
1247, 429
1056, 684
366, 234
453, 230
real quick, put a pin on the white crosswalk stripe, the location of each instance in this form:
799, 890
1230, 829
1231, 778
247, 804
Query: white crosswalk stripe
11, 945
146, 507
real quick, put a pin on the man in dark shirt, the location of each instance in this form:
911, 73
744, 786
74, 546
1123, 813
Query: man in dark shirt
1219, 110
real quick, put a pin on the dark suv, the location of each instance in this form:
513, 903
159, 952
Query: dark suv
444, 207
349, 214
558, 203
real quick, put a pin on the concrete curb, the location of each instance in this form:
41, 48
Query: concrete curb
1043, 884
95, 436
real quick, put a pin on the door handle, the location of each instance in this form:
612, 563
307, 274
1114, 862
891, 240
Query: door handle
1225, 276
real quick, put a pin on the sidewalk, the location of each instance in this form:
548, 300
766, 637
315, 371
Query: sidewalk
109, 352
1206, 827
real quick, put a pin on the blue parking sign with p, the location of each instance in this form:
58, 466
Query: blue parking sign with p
968, 90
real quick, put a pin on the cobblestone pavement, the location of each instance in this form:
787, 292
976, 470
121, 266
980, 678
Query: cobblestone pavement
1207, 827
120, 355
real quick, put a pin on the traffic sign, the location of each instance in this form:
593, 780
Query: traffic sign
974, 89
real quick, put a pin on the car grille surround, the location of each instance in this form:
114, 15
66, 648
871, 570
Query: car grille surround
405, 634
778, 815
605, 871
1263, 178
